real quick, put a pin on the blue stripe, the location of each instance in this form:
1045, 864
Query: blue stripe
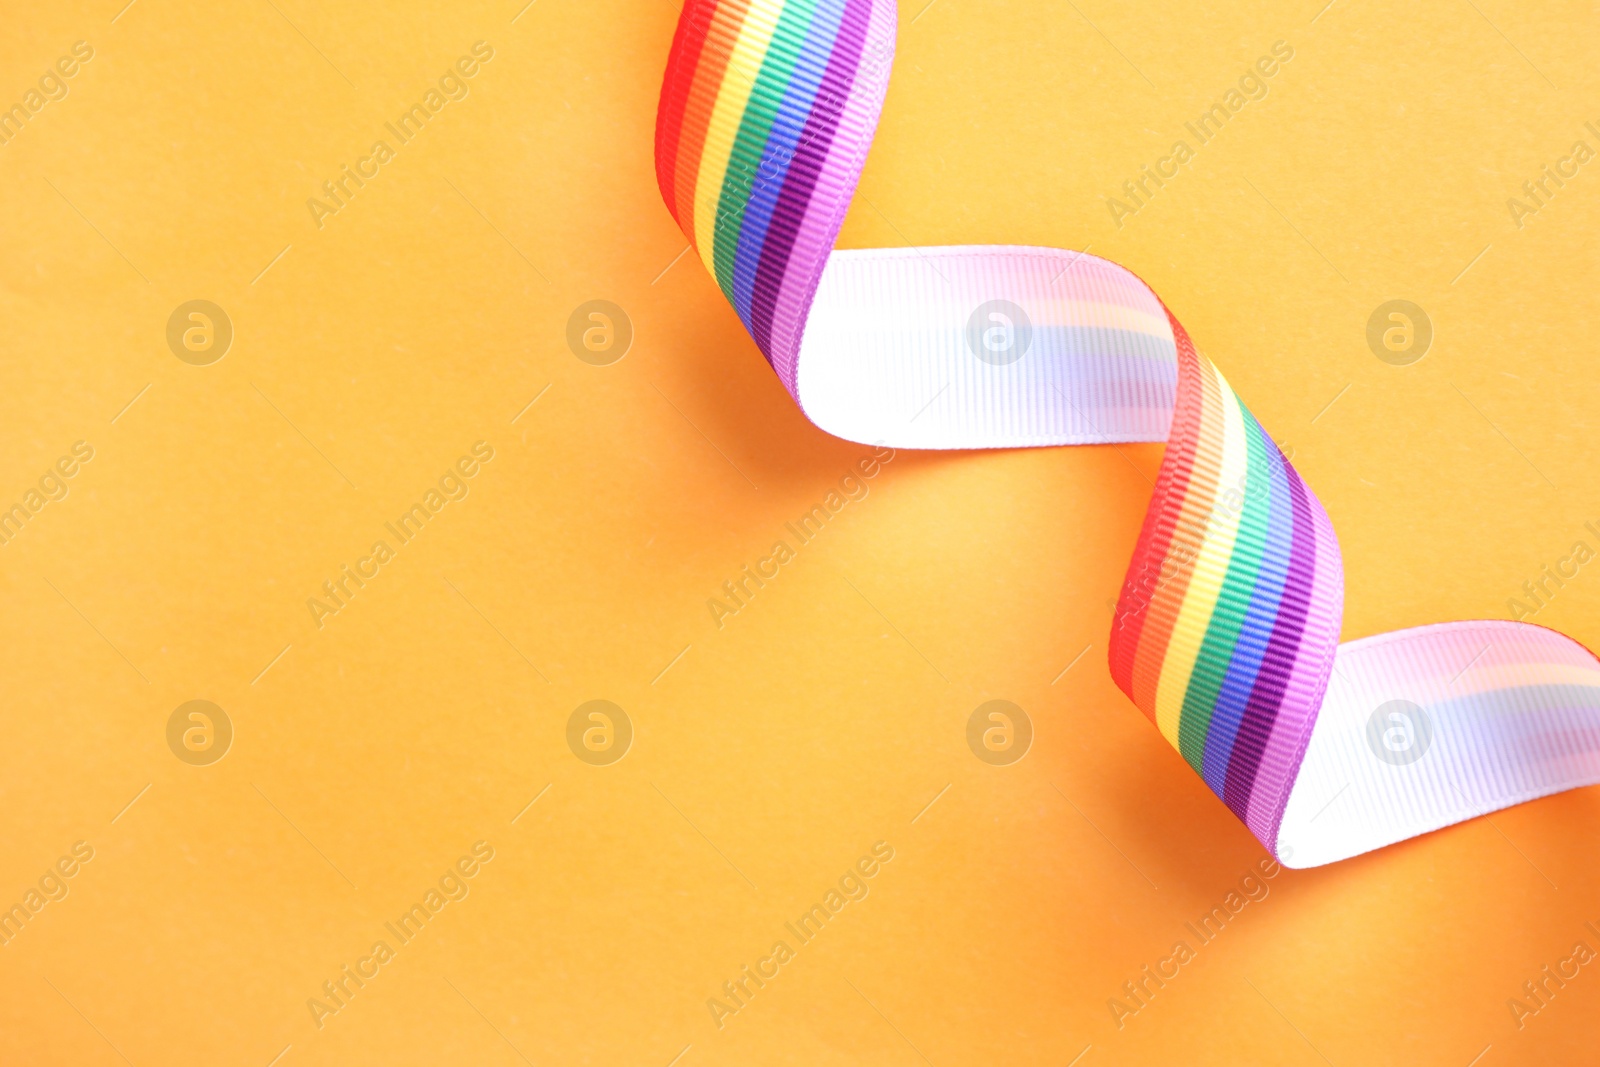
782, 144
1260, 615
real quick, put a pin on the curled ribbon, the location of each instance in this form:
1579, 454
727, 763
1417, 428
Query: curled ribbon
1226, 634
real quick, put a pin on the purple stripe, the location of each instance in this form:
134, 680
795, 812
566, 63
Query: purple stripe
805, 171
1282, 652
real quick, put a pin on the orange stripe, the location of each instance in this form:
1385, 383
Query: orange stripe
708, 78
1199, 498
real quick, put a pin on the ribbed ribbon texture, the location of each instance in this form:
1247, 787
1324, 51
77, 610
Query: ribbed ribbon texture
1226, 634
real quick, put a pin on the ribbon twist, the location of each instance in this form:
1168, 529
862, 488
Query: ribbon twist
1226, 634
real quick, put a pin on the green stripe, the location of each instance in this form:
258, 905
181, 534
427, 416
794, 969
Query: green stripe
1238, 588
754, 129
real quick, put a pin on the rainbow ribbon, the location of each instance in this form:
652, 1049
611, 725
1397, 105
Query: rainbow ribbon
1226, 634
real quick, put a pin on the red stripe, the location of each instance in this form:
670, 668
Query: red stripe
1130, 669
1183, 551
727, 18
1187, 541
681, 63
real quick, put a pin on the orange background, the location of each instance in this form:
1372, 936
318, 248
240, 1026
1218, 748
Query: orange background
829, 713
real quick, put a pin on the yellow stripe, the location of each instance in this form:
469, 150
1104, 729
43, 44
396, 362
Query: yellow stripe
1108, 315
1479, 679
744, 65
1205, 585
1194, 514
1050, 311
